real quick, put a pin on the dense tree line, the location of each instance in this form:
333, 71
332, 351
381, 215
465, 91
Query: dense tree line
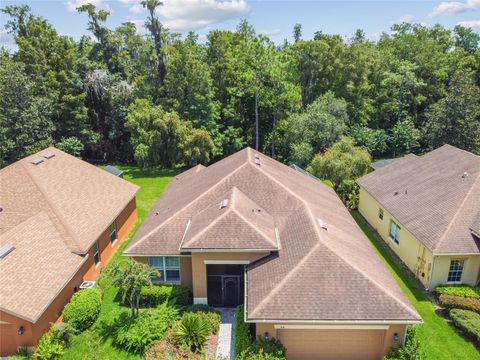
162, 100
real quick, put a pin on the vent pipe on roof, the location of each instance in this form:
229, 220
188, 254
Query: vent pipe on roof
465, 175
223, 204
322, 224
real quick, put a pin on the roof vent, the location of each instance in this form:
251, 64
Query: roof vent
5, 250
223, 204
465, 175
257, 161
322, 224
395, 193
36, 161
49, 155
257, 156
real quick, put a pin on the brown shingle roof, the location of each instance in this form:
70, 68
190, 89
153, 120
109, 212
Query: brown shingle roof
51, 212
436, 197
318, 274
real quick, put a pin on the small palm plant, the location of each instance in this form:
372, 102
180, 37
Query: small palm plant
192, 332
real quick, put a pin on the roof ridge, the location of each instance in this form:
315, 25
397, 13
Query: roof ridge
450, 224
208, 227
372, 281
277, 288
52, 207
255, 229
222, 180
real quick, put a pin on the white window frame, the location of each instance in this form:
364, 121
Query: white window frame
396, 236
114, 223
163, 267
96, 253
456, 271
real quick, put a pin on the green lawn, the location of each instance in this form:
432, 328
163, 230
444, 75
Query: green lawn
96, 343
439, 339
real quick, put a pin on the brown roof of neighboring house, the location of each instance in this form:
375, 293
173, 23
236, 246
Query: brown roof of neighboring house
315, 273
436, 197
50, 213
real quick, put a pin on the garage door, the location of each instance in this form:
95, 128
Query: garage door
332, 344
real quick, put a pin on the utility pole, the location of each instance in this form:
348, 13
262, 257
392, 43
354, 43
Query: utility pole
256, 113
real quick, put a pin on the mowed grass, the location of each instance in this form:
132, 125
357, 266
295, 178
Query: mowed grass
439, 339
96, 343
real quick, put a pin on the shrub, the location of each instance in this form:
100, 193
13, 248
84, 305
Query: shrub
467, 321
243, 338
83, 309
460, 302
23, 353
48, 348
151, 296
246, 355
136, 334
165, 349
207, 313
63, 332
410, 351
458, 290
192, 331
348, 191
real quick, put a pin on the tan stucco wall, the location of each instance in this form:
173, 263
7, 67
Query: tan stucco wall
412, 252
199, 269
351, 343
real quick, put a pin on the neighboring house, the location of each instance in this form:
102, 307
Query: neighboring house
251, 230
427, 209
61, 219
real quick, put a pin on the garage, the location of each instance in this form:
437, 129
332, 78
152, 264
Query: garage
311, 344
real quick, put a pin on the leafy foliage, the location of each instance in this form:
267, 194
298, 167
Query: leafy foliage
349, 192
48, 348
83, 309
243, 338
151, 296
412, 349
340, 162
460, 302
192, 331
71, 145
467, 321
207, 313
458, 290
136, 334
63, 332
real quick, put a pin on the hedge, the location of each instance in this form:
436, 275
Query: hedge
243, 338
468, 321
151, 296
460, 302
458, 290
83, 309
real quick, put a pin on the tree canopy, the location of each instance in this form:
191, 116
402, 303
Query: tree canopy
162, 99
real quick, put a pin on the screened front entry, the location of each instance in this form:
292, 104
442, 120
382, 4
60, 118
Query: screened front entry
225, 285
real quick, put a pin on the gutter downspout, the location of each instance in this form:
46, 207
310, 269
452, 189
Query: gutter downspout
432, 272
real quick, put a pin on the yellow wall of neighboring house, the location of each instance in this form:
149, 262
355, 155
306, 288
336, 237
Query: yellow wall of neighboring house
431, 272
470, 270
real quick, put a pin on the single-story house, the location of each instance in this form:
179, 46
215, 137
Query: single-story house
61, 219
250, 230
427, 209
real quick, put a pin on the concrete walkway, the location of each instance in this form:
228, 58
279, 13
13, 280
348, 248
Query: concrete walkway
226, 335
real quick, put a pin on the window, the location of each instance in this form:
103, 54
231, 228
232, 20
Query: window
96, 253
112, 229
168, 266
455, 271
394, 232
380, 214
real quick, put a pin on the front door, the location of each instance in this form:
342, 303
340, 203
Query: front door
231, 291
225, 285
